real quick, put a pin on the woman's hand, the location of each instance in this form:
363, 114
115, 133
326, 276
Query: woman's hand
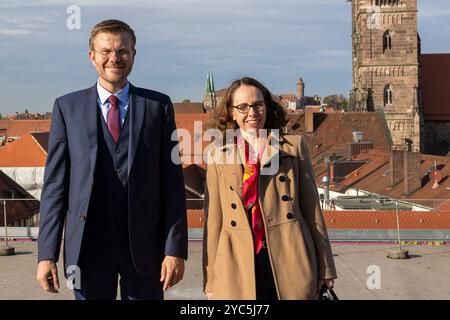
209, 295
329, 283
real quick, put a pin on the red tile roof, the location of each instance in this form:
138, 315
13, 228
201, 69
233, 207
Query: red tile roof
336, 130
188, 107
186, 125
24, 152
196, 218
18, 128
285, 98
387, 220
4, 125
436, 86
365, 220
374, 177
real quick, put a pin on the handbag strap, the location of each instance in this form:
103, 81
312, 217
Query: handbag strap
325, 290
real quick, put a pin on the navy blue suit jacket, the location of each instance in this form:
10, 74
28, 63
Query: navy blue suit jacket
157, 204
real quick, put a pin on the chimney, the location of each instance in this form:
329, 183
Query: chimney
309, 120
412, 177
356, 146
396, 167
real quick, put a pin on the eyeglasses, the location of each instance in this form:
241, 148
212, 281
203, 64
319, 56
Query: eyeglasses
258, 106
122, 53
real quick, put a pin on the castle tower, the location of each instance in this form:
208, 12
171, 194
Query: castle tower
300, 89
386, 70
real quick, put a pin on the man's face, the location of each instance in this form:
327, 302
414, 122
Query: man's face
113, 57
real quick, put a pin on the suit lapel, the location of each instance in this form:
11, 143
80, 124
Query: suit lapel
137, 115
90, 107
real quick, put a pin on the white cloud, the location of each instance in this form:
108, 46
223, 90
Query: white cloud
16, 32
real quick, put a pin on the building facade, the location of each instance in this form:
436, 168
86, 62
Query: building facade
386, 70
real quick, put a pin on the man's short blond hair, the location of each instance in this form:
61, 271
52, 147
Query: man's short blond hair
111, 26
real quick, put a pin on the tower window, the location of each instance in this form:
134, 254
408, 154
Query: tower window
388, 95
387, 41
386, 3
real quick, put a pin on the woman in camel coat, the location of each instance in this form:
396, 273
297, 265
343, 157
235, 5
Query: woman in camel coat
294, 257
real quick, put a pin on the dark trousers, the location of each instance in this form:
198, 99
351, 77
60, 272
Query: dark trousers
265, 285
103, 265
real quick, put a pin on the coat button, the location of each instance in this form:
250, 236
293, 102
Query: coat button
282, 178
83, 217
289, 215
233, 223
233, 205
117, 170
231, 188
285, 198
118, 151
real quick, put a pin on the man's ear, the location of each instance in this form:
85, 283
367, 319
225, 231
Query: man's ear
91, 57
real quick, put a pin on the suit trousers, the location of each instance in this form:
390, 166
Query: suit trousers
105, 264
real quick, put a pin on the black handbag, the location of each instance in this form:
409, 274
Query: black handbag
327, 294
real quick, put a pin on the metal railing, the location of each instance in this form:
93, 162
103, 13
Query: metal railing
5, 217
25, 228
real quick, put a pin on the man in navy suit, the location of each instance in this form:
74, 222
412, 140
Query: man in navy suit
111, 181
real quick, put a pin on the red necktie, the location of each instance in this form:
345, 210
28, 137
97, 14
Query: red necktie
113, 118
250, 197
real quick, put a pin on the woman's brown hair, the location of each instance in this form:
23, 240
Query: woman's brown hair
222, 118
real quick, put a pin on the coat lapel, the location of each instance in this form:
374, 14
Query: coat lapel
276, 148
231, 166
90, 107
137, 115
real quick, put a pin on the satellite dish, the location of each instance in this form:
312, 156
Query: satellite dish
436, 176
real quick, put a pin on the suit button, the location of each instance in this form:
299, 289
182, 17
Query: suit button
231, 188
285, 198
117, 150
83, 217
289, 215
233, 223
117, 170
282, 178
233, 205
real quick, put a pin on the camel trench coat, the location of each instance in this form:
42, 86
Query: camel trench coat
297, 240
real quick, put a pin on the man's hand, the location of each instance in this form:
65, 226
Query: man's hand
172, 271
47, 276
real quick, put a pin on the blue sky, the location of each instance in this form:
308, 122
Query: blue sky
179, 40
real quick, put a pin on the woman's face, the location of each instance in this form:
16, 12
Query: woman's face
249, 108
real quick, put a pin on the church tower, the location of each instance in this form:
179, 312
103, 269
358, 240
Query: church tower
386, 70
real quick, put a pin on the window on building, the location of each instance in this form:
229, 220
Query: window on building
387, 41
388, 2
388, 95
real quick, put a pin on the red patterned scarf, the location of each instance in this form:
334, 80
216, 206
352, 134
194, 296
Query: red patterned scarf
250, 196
